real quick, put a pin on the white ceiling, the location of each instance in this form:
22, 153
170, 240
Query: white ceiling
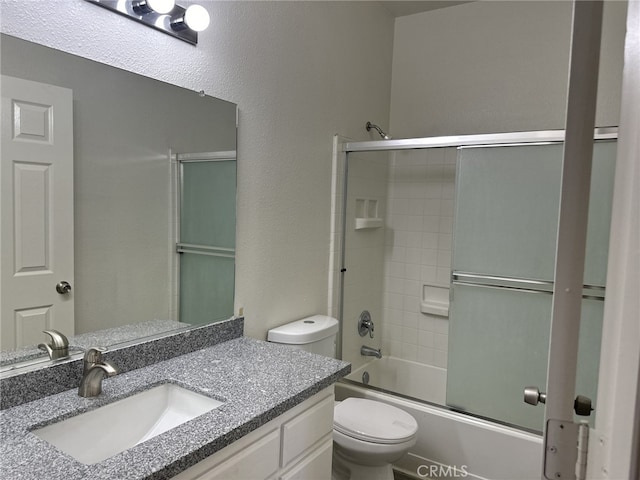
401, 8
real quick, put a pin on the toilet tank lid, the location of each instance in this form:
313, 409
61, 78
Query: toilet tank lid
305, 330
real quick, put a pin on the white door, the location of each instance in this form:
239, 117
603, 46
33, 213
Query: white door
36, 202
562, 460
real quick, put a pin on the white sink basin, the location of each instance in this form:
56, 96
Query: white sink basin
101, 433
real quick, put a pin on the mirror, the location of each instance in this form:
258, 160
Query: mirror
134, 143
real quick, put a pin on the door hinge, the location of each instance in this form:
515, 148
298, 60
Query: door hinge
583, 450
565, 456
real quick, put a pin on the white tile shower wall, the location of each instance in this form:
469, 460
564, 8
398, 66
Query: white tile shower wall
418, 236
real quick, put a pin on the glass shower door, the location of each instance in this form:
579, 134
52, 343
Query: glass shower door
207, 238
506, 220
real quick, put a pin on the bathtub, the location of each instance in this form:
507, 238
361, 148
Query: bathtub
449, 444
411, 379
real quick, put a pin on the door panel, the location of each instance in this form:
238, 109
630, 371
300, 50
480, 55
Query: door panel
37, 211
31, 217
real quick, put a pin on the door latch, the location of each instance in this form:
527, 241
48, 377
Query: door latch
581, 405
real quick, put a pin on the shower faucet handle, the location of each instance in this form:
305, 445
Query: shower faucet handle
365, 324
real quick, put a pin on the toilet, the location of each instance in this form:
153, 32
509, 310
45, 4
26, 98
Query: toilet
368, 436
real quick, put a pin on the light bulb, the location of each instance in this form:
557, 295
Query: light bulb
197, 18
161, 6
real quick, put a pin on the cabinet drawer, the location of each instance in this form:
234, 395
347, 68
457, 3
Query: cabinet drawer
306, 429
316, 466
257, 462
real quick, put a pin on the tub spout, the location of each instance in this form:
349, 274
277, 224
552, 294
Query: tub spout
370, 352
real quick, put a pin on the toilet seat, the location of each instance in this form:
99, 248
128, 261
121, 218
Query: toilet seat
372, 421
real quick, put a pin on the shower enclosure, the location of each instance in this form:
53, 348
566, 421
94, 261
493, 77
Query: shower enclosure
449, 243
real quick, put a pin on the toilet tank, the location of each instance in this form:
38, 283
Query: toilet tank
316, 334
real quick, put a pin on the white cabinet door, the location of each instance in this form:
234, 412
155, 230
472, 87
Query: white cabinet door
36, 178
306, 429
316, 466
256, 462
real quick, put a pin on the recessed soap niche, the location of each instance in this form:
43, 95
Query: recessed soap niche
435, 299
367, 214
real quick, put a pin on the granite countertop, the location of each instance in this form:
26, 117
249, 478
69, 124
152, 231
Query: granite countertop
83, 341
258, 381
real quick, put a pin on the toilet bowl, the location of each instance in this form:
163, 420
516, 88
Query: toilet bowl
368, 436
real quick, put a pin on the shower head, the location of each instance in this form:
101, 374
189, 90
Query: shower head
370, 125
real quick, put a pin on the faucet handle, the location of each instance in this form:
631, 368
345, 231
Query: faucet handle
93, 355
365, 324
58, 339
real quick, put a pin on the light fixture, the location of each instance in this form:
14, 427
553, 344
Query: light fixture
162, 15
195, 17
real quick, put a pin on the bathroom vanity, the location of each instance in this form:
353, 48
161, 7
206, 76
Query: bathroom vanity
296, 445
274, 420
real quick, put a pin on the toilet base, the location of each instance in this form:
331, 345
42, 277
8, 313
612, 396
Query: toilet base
344, 469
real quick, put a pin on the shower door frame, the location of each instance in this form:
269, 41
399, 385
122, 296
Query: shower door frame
530, 138
536, 137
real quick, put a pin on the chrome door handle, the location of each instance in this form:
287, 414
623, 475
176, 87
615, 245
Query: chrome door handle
63, 288
533, 396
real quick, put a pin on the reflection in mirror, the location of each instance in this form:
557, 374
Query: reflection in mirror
207, 247
94, 154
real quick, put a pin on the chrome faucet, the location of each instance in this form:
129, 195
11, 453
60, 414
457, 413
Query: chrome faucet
370, 352
59, 346
94, 370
